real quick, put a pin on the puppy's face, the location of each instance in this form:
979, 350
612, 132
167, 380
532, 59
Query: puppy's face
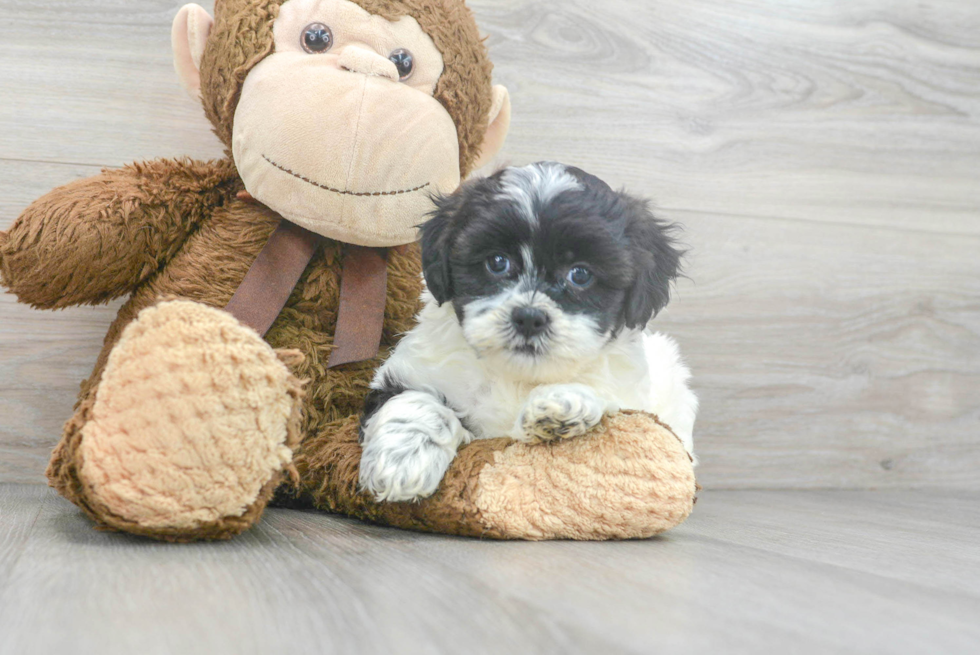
546, 264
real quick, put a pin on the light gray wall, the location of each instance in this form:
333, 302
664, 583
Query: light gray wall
824, 157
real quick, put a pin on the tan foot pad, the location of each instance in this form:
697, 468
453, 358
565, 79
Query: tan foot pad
629, 479
190, 422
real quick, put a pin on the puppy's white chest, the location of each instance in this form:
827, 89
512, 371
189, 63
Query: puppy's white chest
493, 405
491, 409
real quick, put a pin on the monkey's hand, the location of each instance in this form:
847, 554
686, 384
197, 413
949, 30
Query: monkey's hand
97, 238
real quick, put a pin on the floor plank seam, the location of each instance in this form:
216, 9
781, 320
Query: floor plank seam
818, 222
17, 160
839, 567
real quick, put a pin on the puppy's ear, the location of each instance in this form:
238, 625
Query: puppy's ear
656, 261
436, 242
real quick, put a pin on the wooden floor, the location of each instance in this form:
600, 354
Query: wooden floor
824, 158
753, 572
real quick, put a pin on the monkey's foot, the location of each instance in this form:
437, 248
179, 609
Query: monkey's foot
192, 426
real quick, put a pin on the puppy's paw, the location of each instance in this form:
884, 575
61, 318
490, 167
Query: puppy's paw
559, 411
408, 446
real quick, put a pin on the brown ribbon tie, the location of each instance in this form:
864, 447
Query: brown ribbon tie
266, 287
360, 317
277, 270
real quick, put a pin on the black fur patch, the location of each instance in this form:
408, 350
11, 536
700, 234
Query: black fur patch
632, 254
376, 399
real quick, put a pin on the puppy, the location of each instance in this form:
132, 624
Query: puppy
541, 281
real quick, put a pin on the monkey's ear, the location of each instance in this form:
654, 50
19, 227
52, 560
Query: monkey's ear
497, 130
188, 37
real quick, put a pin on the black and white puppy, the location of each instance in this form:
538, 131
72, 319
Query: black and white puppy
541, 281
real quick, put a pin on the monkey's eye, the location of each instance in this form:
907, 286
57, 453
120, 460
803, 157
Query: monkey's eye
498, 264
580, 277
404, 61
317, 38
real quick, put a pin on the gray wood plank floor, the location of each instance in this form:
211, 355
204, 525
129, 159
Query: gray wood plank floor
825, 160
753, 572
823, 156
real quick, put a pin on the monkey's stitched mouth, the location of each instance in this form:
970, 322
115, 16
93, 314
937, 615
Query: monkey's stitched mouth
341, 191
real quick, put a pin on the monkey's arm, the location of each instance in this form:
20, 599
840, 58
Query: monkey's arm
97, 238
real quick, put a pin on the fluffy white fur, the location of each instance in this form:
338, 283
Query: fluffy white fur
496, 392
393, 466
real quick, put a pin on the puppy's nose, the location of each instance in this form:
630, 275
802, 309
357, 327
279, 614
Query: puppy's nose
529, 321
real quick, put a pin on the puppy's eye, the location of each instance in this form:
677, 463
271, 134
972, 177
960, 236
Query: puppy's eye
404, 61
580, 277
317, 38
498, 264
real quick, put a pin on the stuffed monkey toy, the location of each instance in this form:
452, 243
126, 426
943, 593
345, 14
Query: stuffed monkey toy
265, 288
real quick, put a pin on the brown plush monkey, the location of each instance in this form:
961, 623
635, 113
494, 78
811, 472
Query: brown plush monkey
341, 117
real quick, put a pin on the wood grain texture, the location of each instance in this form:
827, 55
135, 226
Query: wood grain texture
92, 82
770, 571
831, 355
861, 112
824, 158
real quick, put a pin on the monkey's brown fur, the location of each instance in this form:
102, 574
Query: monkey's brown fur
176, 228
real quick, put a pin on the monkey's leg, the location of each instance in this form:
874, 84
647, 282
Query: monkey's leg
189, 431
627, 479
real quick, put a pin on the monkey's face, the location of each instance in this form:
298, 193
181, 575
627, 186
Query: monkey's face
338, 130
